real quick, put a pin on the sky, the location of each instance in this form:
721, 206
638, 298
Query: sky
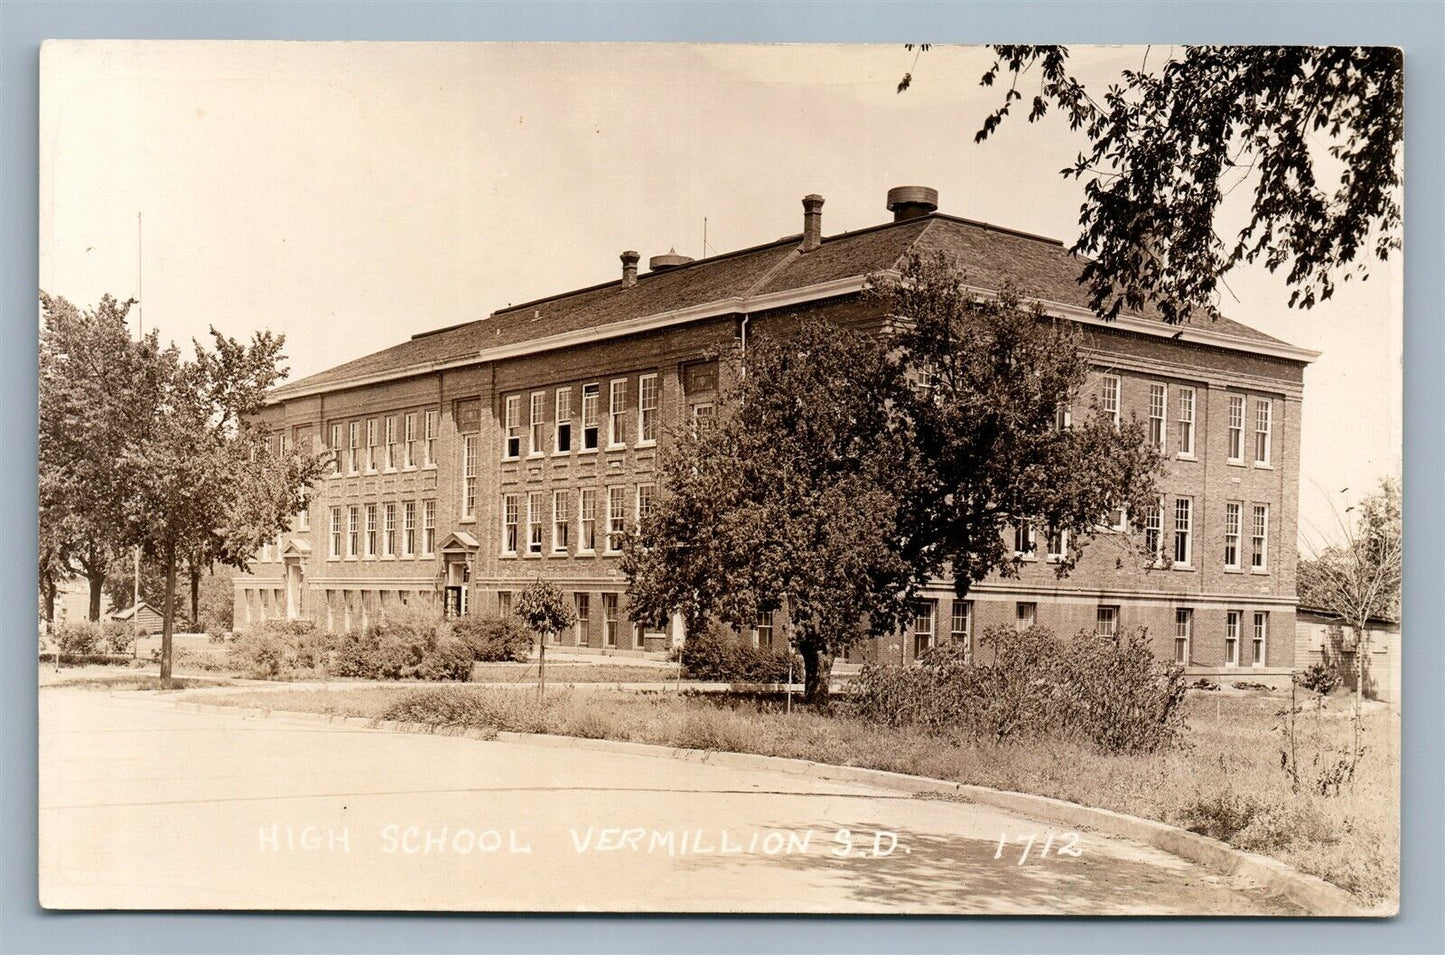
350, 195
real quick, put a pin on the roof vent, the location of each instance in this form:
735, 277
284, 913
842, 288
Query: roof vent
910, 202
661, 263
629, 268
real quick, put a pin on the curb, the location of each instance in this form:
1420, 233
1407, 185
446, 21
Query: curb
1316, 896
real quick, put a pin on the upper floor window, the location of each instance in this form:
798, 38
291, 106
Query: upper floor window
511, 508
1158, 400
587, 519
1057, 543
616, 406
371, 530
336, 532
512, 421
408, 529
469, 476
537, 420
702, 417
589, 416
1025, 542
336, 449
536, 515
392, 455
1236, 429
616, 518
1063, 416
353, 447
646, 495
561, 521
388, 530
410, 436
428, 528
353, 530
429, 446
1231, 534
1183, 530
647, 409
1109, 397
1186, 422
1263, 409
1154, 532
1259, 538
371, 444
563, 432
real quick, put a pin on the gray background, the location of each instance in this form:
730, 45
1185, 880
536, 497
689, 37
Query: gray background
1417, 27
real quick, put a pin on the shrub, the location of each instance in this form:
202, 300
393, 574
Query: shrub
447, 706
494, 639
80, 637
1108, 690
717, 655
405, 643
1319, 678
117, 637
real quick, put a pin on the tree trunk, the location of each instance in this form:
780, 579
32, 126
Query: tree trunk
817, 669
97, 588
48, 587
168, 618
195, 597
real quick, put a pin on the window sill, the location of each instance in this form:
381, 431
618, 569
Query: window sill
429, 467
1233, 570
532, 555
511, 457
587, 451
508, 555
646, 443
467, 520
1181, 456
617, 447
1179, 566
1259, 571
533, 455
1263, 466
1235, 462
584, 552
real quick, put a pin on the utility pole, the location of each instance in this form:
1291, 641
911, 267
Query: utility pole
141, 334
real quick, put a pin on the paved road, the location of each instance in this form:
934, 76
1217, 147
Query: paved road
146, 806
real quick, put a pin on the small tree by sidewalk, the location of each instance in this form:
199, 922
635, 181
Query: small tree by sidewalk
547, 613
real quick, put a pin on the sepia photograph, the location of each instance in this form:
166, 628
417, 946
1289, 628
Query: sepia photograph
901, 479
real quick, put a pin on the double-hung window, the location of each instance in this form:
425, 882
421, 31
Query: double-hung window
336, 449
1109, 397
1154, 533
408, 529
1231, 638
563, 434
584, 619
371, 530
1257, 644
590, 395
388, 530
960, 630
1025, 542
429, 448
391, 444
353, 447
1259, 539
647, 409
353, 530
1236, 429
371, 444
1186, 422
428, 528
1263, 413
409, 428
616, 406
610, 620
511, 505
561, 521
536, 516
469, 476
1183, 530
646, 495
923, 616
1106, 619
1057, 544
616, 518
1183, 633
335, 532
1026, 614
512, 421
536, 421
764, 628
587, 518
1232, 517
1158, 403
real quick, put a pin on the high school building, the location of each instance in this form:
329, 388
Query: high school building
472, 459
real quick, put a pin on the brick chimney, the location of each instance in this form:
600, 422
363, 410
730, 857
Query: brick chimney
812, 223
629, 268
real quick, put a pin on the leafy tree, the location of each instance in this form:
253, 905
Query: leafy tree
206, 480
1359, 580
793, 501
546, 613
1317, 130
89, 418
995, 375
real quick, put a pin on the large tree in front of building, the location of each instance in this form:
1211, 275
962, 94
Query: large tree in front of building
206, 478
1001, 429
794, 501
91, 415
1313, 135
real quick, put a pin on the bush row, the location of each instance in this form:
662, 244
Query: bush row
1110, 690
87, 638
716, 655
401, 643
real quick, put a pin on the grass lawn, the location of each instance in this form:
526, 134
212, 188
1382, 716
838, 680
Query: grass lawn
1226, 781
